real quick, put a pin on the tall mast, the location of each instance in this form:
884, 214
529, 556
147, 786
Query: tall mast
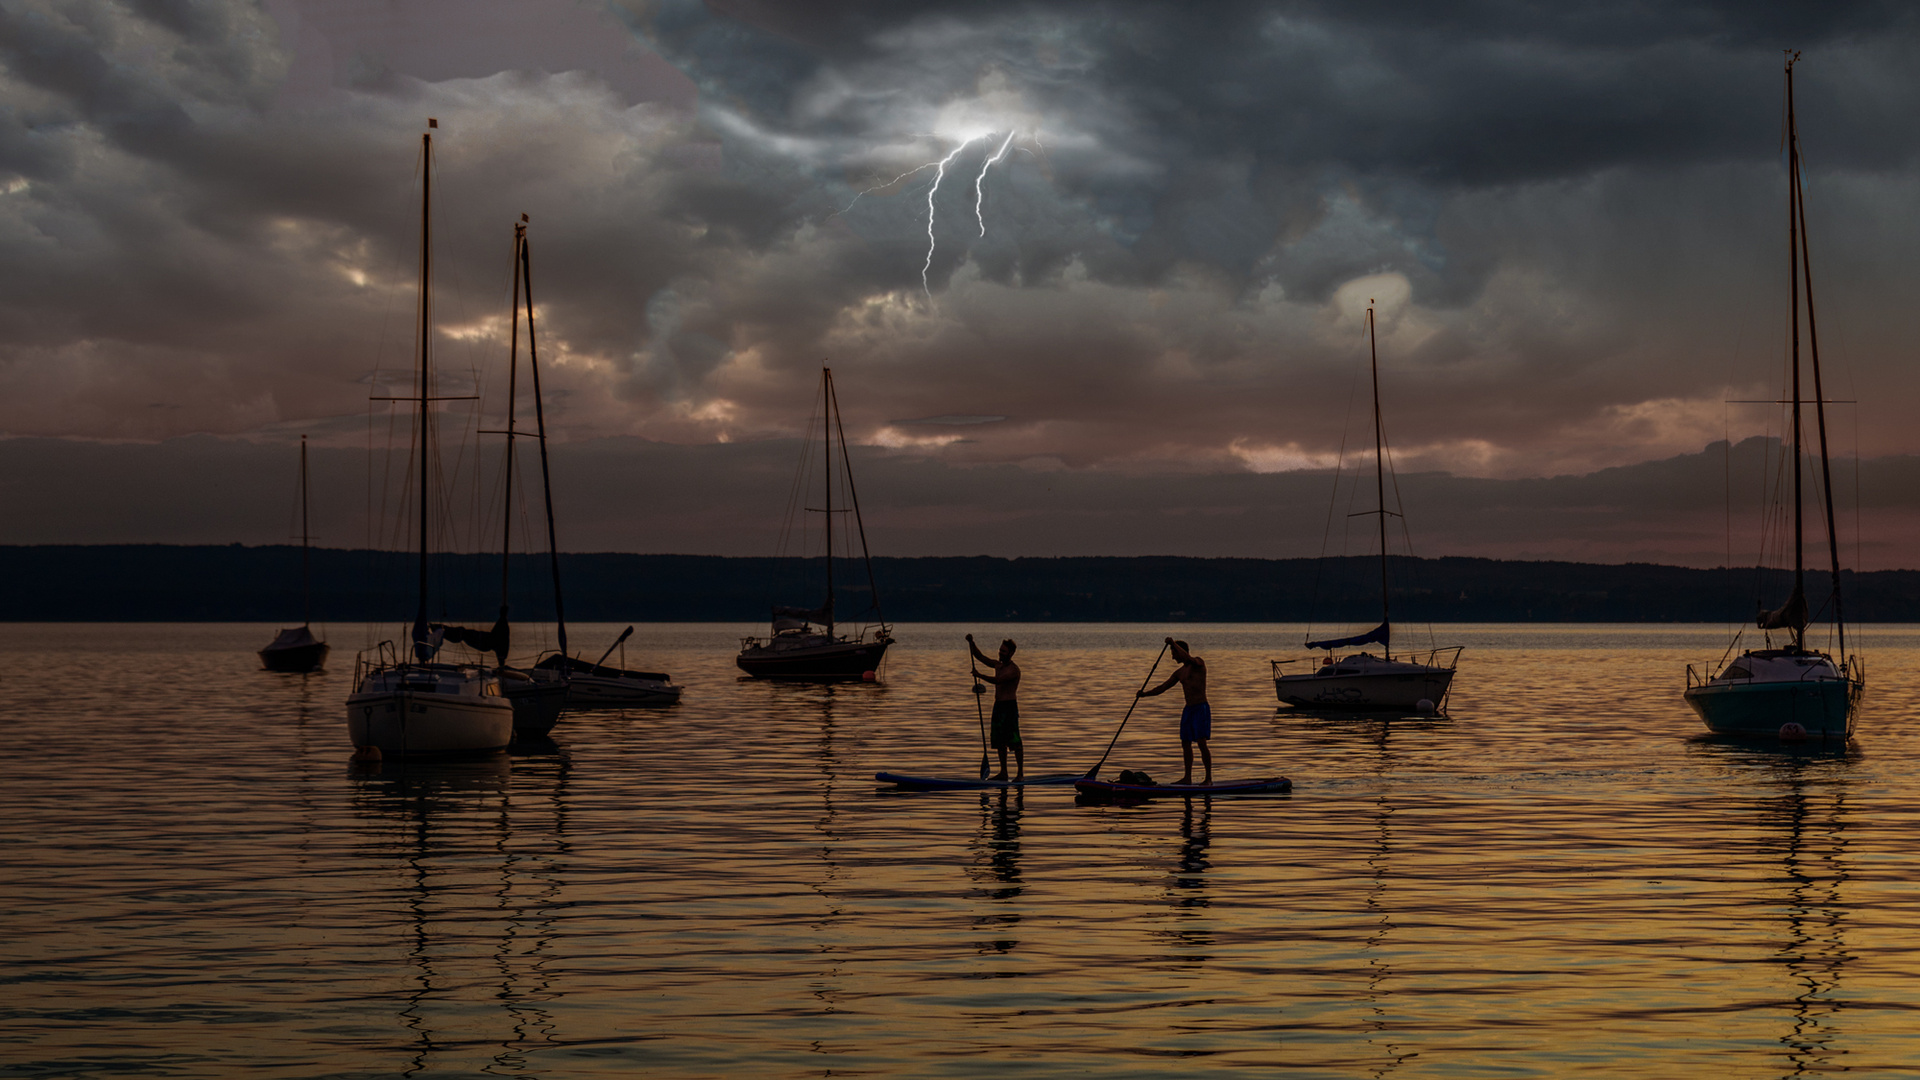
1813, 350
426, 370
513, 407
1379, 474
540, 419
306, 567
853, 492
826, 437
1793, 287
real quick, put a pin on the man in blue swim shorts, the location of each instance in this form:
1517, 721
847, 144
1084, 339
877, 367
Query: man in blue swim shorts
1196, 720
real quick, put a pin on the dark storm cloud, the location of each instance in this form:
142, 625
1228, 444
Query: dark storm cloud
1568, 214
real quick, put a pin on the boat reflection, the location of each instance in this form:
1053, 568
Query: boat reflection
478, 849
1810, 813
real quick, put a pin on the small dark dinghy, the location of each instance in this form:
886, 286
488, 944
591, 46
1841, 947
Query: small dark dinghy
954, 783
1112, 789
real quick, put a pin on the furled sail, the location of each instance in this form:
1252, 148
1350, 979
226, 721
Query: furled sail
1789, 616
1379, 634
496, 640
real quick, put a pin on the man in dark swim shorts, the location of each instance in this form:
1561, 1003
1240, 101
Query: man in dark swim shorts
1196, 719
1003, 734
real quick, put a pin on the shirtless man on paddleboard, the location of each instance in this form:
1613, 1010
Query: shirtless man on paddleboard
1196, 720
1003, 733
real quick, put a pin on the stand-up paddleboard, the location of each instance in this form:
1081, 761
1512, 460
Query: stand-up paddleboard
1110, 789
954, 783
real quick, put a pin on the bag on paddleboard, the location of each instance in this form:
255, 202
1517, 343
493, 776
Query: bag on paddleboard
1130, 776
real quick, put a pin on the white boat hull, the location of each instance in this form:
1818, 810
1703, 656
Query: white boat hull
408, 722
1370, 691
596, 692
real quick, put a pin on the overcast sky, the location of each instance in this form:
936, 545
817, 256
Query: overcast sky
1152, 240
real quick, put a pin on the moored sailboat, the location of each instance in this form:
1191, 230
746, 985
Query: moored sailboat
419, 705
296, 650
1791, 689
1361, 681
804, 643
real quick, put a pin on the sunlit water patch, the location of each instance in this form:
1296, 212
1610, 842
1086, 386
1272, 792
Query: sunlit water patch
1561, 876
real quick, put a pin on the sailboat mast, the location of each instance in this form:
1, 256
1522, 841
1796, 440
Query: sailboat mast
513, 407
826, 437
1813, 356
1793, 286
306, 565
853, 492
1379, 474
540, 420
426, 370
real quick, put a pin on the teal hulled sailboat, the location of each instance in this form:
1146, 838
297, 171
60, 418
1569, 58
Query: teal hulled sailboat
1763, 691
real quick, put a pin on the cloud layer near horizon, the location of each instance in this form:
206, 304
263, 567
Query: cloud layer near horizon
626, 494
1570, 219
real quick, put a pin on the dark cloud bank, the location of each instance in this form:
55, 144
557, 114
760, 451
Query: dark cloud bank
1569, 215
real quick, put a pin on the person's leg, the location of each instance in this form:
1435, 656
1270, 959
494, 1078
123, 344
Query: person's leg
1002, 775
1019, 760
1186, 753
1206, 759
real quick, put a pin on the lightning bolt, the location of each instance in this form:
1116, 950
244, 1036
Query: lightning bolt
939, 175
890, 183
979, 195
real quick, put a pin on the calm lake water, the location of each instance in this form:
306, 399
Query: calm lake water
1562, 877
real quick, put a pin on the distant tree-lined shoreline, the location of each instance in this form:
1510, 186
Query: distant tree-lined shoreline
167, 583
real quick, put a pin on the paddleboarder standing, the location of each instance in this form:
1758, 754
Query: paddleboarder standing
1196, 719
1004, 729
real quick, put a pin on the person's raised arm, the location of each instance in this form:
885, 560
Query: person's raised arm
994, 679
978, 655
1180, 653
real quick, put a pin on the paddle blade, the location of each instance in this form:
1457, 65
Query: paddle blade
983, 766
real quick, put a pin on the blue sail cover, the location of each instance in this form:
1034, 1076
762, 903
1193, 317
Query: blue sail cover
1379, 634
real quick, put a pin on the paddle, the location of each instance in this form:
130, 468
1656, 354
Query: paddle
1094, 773
978, 712
624, 635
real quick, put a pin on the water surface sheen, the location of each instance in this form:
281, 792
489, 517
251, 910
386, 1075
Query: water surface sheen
1563, 877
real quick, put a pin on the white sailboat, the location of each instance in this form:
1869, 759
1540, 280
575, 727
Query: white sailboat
418, 705
1362, 681
1790, 689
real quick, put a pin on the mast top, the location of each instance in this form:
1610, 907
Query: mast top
432, 123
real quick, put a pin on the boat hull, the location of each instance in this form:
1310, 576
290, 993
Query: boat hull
299, 659
536, 705
842, 661
1367, 691
601, 692
1824, 708
415, 722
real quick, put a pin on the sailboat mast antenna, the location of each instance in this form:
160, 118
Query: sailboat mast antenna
513, 408
306, 565
1813, 356
1379, 470
540, 420
826, 438
426, 370
1793, 288
873, 587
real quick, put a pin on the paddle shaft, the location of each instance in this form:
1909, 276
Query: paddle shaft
1094, 773
979, 712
